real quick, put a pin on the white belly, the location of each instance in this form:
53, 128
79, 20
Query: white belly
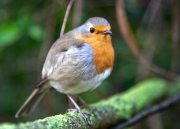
82, 86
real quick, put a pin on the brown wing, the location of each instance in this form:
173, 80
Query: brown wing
61, 45
34, 98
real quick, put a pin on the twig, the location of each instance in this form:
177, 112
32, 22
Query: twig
160, 107
65, 17
126, 32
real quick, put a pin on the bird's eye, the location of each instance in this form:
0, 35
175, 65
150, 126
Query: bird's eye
92, 30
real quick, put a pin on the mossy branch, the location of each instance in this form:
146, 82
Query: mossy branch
118, 107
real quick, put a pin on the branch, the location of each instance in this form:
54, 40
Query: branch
113, 110
126, 32
160, 107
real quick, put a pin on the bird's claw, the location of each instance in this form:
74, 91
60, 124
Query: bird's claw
84, 117
94, 112
82, 114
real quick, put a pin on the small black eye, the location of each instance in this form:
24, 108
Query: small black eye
92, 30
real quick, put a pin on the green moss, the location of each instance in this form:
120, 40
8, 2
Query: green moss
145, 92
116, 108
137, 98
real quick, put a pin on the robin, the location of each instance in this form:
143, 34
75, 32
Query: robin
77, 62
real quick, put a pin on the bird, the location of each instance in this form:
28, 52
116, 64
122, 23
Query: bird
77, 62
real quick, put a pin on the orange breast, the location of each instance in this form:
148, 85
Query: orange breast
103, 50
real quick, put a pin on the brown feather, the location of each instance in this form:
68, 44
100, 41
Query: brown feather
34, 98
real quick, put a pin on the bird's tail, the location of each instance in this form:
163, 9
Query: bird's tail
34, 98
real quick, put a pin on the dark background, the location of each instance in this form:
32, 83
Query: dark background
29, 28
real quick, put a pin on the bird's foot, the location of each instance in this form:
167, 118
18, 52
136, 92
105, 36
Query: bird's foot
84, 116
79, 110
94, 112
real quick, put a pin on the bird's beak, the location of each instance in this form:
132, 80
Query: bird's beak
107, 32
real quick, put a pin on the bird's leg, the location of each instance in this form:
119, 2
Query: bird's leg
88, 107
67, 102
79, 110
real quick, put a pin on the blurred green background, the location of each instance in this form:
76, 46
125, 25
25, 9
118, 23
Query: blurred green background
29, 28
